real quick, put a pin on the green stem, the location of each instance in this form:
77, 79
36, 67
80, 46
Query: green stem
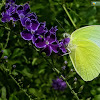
69, 16
20, 87
5, 27
56, 70
75, 94
3, 68
7, 40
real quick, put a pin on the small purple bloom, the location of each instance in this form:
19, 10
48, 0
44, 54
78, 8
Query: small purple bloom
2, 51
64, 67
25, 9
5, 17
15, 17
41, 29
53, 29
75, 79
59, 84
32, 16
47, 43
29, 16
26, 35
65, 62
63, 44
20, 9
35, 25
71, 70
10, 14
14, 66
5, 57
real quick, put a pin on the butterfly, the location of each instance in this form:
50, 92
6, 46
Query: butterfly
85, 51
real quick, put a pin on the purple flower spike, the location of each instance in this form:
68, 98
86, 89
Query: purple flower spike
26, 35
5, 17
59, 84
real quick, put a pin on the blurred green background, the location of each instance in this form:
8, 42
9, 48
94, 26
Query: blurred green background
32, 72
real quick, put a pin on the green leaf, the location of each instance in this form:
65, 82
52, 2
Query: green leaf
3, 94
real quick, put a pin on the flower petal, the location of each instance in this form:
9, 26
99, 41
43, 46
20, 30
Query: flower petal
47, 50
40, 43
26, 35
20, 9
42, 29
66, 41
15, 17
52, 38
55, 47
26, 8
35, 25
28, 24
34, 38
53, 30
31, 16
5, 17
23, 19
62, 47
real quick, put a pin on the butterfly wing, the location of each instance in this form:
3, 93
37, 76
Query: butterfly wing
85, 52
91, 33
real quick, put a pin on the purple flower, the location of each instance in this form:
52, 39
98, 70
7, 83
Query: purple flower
14, 66
5, 17
5, 57
63, 44
25, 9
53, 29
64, 67
59, 84
24, 18
28, 35
10, 14
47, 42
65, 62
29, 21
75, 79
